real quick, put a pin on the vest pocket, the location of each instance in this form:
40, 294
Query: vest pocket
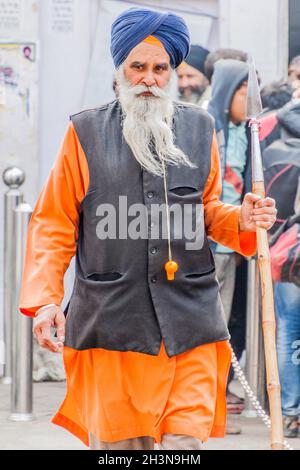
104, 277
183, 190
198, 275
187, 216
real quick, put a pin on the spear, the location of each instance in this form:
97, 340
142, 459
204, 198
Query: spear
254, 109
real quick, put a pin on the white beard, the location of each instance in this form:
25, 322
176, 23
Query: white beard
148, 121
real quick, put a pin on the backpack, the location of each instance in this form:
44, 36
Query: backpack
281, 163
285, 252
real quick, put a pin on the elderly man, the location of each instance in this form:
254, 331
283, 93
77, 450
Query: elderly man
144, 339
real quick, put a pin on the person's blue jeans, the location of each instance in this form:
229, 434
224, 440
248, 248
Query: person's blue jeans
287, 302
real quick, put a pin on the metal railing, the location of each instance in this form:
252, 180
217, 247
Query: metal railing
13, 178
18, 337
22, 339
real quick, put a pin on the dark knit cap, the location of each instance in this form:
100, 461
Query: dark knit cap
196, 57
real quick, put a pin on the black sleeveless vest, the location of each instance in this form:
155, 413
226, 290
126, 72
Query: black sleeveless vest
121, 298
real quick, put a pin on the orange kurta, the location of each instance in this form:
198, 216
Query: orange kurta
118, 395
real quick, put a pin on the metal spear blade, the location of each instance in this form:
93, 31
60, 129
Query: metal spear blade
254, 106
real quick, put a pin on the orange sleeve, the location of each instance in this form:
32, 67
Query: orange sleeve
221, 219
53, 227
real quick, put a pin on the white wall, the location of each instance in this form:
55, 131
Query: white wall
63, 68
18, 113
258, 27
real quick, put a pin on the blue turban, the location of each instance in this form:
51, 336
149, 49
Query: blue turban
135, 25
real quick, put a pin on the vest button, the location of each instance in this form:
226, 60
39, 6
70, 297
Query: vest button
150, 194
154, 280
153, 250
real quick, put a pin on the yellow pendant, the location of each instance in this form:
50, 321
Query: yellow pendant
171, 267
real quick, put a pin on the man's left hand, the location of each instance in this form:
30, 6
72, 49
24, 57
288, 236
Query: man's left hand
257, 212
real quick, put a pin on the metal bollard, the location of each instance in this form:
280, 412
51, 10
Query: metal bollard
13, 177
21, 389
255, 370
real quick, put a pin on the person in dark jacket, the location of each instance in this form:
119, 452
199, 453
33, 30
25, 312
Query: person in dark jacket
282, 119
275, 95
281, 130
294, 75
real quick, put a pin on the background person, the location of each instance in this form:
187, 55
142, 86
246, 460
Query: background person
228, 107
193, 85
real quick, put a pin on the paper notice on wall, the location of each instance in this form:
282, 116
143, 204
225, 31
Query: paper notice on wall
62, 16
10, 16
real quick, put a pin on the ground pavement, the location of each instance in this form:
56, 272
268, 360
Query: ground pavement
42, 434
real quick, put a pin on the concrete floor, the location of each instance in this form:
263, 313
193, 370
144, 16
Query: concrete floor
42, 434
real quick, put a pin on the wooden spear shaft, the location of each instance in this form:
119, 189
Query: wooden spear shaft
268, 314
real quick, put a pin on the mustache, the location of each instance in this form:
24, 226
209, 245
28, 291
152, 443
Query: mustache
191, 88
156, 91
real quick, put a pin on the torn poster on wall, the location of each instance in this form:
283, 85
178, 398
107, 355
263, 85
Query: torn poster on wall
11, 16
62, 16
18, 79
